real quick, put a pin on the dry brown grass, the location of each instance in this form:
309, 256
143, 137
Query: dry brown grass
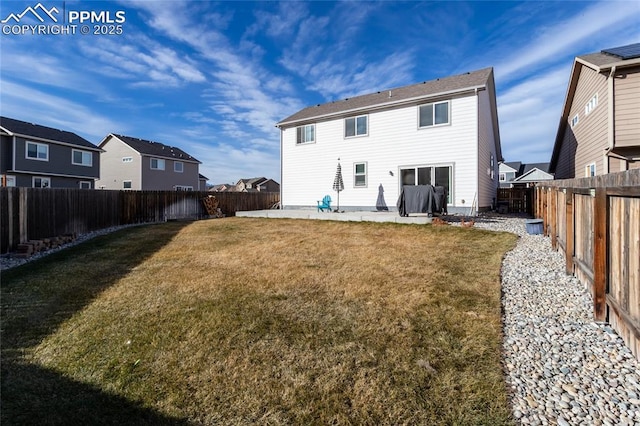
240, 321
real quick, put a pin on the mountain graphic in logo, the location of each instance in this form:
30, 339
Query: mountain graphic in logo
33, 11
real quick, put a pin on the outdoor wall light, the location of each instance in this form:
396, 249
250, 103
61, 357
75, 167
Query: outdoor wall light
390, 173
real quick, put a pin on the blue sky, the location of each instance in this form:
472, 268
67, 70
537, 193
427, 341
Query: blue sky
213, 78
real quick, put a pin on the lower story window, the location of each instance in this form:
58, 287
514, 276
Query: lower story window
429, 175
126, 184
85, 184
360, 175
183, 188
41, 182
9, 181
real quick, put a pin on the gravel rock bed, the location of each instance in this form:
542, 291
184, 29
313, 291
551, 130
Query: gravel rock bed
9, 261
560, 366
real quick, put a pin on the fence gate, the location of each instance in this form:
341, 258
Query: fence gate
516, 200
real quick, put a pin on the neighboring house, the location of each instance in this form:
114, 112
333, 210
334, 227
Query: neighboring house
223, 187
132, 163
259, 184
442, 132
37, 156
515, 173
202, 182
599, 129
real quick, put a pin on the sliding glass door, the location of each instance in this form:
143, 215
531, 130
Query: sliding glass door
428, 175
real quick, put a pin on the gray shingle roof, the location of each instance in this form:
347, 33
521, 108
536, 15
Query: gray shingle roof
156, 149
602, 58
24, 128
389, 97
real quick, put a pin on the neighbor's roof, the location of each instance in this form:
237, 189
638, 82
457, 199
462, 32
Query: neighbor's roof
399, 95
602, 61
155, 149
22, 128
544, 167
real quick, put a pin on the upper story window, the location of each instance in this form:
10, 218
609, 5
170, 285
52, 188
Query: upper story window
127, 159
81, 158
575, 120
157, 164
37, 151
591, 105
306, 134
503, 177
435, 114
178, 166
356, 126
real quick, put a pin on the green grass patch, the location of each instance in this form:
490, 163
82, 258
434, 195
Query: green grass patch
243, 321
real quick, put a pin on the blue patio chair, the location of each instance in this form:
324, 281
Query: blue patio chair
325, 203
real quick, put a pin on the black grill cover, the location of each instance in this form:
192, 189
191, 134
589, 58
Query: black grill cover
421, 199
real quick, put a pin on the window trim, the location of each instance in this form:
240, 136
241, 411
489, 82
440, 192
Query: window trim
183, 188
587, 169
301, 131
175, 163
85, 182
591, 104
73, 151
575, 120
356, 174
355, 126
158, 163
42, 179
433, 112
37, 144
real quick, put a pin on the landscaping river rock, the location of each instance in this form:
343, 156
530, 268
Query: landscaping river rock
561, 366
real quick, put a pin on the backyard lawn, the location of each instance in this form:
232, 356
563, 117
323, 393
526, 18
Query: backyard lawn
258, 321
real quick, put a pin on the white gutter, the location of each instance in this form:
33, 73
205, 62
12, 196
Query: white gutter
382, 105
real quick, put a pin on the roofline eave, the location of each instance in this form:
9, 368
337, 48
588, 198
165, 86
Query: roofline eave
376, 107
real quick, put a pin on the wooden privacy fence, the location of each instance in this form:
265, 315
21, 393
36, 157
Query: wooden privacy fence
516, 200
34, 213
596, 223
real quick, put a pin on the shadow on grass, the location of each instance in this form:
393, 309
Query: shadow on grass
37, 298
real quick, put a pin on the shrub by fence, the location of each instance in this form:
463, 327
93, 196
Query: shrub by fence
596, 223
34, 213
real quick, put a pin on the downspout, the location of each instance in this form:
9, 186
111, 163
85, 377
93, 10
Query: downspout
610, 117
478, 168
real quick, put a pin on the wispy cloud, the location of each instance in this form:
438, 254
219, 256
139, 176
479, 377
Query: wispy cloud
55, 111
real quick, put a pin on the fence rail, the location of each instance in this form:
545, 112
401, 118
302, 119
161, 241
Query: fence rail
596, 223
34, 213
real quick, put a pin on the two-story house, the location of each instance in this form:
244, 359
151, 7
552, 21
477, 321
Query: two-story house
442, 132
37, 156
599, 130
258, 184
515, 173
132, 163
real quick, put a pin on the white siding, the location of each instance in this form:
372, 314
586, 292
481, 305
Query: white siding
393, 141
487, 182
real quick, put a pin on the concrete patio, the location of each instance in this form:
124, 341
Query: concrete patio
348, 216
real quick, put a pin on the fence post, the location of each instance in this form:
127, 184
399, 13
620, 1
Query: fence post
600, 224
569, 243
545, 216
554, 218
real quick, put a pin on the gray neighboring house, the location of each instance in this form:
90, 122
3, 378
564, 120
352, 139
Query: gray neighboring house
37, 156
138, 164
